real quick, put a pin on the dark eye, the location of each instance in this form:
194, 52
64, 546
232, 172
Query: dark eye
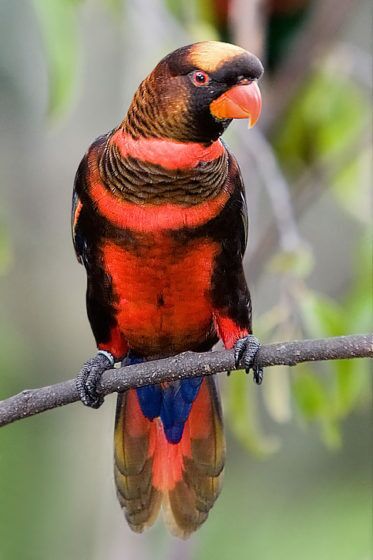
200, 78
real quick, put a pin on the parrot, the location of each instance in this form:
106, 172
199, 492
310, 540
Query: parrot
159, 221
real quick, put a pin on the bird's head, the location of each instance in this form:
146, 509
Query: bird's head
193, 94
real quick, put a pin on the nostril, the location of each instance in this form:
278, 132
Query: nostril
242, 80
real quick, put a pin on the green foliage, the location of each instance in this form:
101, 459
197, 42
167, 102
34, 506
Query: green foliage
344, 383
58, 22
242, 412
199, 10
326, 117
352, 186
323, 125
323, 394
197, 16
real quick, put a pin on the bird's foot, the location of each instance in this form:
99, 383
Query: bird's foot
246, 350
88, 379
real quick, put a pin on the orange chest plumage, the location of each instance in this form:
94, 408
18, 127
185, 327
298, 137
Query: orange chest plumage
162, 292
161, 280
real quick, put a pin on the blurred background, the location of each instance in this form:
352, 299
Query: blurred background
297, 482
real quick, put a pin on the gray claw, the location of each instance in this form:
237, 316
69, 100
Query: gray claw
258, 374
245, 351
88, 379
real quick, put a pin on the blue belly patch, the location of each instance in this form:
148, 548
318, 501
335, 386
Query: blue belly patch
172, 403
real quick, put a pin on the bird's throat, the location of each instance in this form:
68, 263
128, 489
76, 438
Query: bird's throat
157, 172
169, 154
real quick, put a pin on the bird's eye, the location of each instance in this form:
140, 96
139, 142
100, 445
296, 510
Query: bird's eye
200, 78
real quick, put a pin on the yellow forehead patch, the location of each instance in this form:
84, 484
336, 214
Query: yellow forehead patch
209, 55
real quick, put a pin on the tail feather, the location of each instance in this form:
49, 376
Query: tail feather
192, 497
138, 497
184, 477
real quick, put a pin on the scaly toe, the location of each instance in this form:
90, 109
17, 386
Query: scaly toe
88, 379
245, 351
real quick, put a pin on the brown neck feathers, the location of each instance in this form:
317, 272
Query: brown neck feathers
141, 182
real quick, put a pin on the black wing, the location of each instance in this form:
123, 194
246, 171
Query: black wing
87, 231
230, 293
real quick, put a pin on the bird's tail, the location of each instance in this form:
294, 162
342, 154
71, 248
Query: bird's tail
169, 455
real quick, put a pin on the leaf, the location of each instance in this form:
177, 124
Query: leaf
193, 12
309, 394
176, 8
324, 120
351, 187
58, 21
358, 311
241, 411
331, 433
321, 315
207, 11
313, 401
276, 394
349, 381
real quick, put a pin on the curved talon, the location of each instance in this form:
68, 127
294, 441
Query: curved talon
258, 372
245, 350
88, 378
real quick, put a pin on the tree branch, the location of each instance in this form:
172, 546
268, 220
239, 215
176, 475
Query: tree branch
190, 364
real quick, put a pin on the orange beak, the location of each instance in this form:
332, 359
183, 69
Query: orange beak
239, 102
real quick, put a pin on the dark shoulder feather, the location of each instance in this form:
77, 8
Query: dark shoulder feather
81, 198
235, 177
